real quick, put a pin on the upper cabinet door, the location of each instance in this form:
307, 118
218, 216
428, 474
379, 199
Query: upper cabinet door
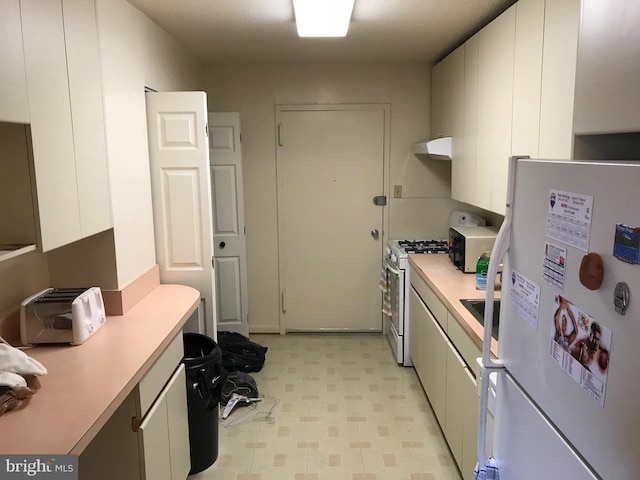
495, 107
65, 101
463, 170
51, 127
453, 94
85, 88
436, 101
561, 31
527, 77
608, 70
14, 104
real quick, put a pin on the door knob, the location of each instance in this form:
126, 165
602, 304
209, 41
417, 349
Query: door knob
222, 244
374, 233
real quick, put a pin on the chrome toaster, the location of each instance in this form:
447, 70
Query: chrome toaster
61, 315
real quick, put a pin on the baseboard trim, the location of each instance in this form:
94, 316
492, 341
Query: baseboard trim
263, 329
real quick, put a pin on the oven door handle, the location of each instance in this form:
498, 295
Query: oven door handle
388, 266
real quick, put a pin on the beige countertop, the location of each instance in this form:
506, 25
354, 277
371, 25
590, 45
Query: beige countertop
85, 384
451, 285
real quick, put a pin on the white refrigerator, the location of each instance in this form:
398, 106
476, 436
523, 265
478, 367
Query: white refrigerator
567, 395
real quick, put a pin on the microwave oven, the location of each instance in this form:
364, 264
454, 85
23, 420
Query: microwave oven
468, 243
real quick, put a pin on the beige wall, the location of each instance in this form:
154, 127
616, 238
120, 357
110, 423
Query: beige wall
135, 53
254, 90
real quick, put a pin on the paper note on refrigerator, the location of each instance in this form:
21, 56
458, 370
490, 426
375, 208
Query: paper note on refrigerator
525, 298
554, 265
569, 218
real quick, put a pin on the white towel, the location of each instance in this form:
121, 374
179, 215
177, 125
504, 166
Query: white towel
383, 284
10, 379
18, 380
16, 361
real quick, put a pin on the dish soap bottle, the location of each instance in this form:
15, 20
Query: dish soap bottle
482, 267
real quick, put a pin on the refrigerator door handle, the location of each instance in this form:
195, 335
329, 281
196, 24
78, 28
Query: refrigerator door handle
500, 248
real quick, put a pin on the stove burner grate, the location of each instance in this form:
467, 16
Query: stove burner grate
424, 246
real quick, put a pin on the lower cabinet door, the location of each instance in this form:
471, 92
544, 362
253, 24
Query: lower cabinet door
178, 421
163, 434
470, 429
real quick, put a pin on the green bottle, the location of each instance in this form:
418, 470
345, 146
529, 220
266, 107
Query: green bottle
482, 267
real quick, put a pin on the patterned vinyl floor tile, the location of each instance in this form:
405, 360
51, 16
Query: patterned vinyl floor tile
335, 407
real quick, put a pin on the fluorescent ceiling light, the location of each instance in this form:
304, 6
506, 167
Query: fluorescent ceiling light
322, 18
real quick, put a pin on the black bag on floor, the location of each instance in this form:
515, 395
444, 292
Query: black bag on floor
240, 354
240, 383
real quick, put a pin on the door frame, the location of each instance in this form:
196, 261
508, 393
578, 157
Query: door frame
386, 170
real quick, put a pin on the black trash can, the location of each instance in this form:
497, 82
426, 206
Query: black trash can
205, 377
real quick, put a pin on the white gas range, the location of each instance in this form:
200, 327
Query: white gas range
396, 294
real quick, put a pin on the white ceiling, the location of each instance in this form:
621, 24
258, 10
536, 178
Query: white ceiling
264, 30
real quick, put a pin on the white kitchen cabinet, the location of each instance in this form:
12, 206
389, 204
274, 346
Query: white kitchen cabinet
417, 347
113, 453
442, 354
453, 116
470, 412
163, 434
85, 89
14, 104
527, 77
453, 96
463, 169
147, 438
455, 415
436, 101
432, 361
495, 107
559, 59
65, 102
608, 68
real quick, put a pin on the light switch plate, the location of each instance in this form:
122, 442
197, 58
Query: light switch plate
397, 191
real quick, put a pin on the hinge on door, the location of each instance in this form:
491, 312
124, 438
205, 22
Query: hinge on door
284, 302
280, 134
240, 137
206, 129
213, 263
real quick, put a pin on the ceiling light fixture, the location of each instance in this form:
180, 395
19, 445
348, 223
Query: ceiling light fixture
322, 18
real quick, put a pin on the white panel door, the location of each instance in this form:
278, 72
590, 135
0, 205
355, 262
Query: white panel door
181, 191
229, 244
330, 166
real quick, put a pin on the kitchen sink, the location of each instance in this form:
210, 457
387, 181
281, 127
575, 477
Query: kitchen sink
476, 307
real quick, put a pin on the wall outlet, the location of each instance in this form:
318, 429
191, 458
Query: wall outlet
397, 191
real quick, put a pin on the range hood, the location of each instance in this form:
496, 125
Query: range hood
438, 148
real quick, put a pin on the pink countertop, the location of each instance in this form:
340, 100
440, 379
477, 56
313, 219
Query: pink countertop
451, 285
87, 383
